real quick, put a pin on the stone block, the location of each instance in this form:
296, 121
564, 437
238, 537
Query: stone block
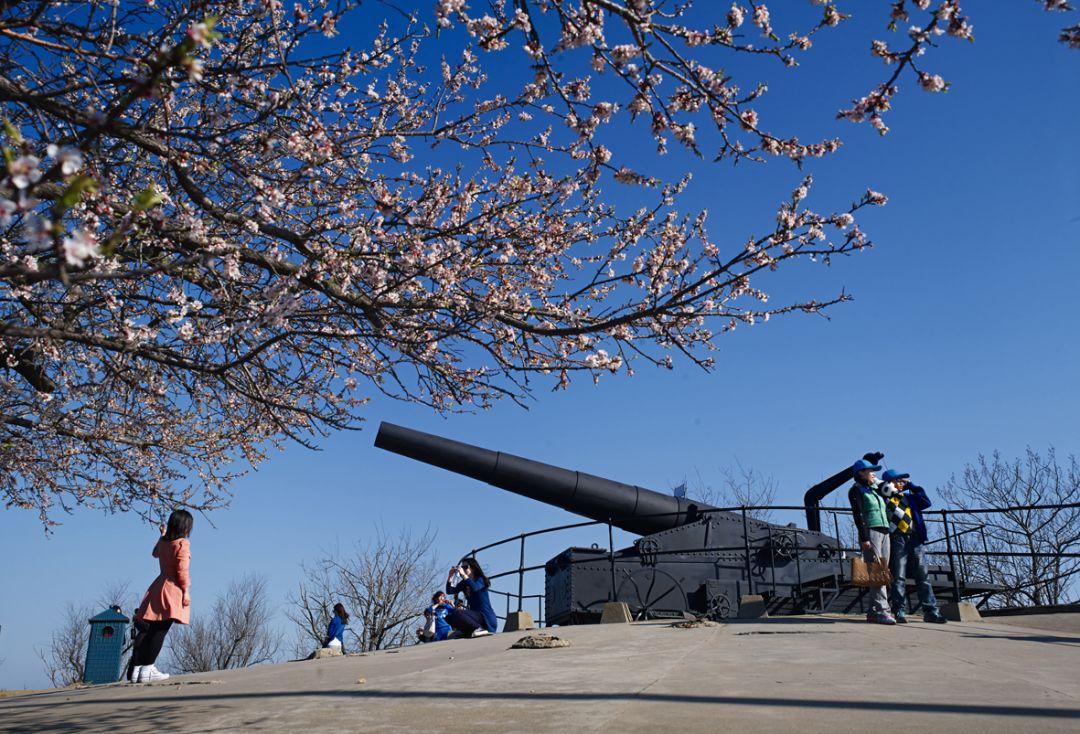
962, 612
518, 621
616, 612
752, 606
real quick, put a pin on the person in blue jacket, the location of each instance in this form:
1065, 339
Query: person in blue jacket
438, 611
335, 631
479, 619
908, 534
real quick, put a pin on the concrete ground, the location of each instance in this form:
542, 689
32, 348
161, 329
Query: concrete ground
807, 674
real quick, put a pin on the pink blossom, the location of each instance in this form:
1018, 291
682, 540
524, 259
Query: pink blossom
24, 171
79, 248
736, 16
932, 82
761, 19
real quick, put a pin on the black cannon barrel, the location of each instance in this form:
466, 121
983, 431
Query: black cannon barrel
632, 508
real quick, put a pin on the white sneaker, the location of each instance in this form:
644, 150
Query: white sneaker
479, 632
136, 672
150, 674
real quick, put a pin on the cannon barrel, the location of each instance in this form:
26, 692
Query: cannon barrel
632, 508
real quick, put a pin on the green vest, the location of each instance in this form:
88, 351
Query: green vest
873, 509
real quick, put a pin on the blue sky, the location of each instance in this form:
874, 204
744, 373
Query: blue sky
960, 340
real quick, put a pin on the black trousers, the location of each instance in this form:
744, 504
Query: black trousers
148, 642
465, 620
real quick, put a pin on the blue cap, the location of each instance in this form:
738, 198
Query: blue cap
861, 464
891, 474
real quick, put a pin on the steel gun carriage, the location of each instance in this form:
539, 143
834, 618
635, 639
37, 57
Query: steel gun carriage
691, 558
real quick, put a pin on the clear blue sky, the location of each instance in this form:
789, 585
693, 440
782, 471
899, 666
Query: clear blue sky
961, 339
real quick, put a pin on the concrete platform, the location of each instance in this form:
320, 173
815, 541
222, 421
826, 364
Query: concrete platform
824, 674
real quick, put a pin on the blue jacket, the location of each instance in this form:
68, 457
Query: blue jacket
917, 500
335, 630
442, 627
476, 594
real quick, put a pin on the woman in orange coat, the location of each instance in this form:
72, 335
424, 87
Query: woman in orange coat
166, 600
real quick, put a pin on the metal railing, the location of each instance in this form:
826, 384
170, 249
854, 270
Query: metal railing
954, 531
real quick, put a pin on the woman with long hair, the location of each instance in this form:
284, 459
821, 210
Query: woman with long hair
335, 631
166, 601
479, 619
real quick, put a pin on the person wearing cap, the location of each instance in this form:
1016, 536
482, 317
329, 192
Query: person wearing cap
869, 510
906, 501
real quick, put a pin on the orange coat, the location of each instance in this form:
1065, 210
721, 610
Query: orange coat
164, 598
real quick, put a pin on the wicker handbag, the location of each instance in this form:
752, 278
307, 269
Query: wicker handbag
875, 573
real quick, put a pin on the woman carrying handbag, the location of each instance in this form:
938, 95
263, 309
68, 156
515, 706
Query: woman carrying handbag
872, 522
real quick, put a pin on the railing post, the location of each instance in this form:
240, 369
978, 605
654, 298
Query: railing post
611, 557
521, 572
986, 550
839, 553
961, 559
798, 566
948, 549
746, 546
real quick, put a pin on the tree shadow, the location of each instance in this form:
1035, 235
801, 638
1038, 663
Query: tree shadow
78, 716
70, 717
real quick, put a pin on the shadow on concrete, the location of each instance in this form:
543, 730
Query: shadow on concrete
1071, 641
40, 713
174, 716
793, 620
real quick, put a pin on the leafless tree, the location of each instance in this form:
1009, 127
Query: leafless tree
738, 486
384, 584
64, 657
237, 632
1033, 494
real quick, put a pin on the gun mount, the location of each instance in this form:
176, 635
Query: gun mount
692, 557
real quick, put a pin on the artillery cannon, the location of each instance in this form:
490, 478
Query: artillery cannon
692, 557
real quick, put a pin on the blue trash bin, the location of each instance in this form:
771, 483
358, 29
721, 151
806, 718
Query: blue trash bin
105, 649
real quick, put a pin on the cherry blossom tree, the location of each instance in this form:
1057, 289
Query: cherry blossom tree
221, 229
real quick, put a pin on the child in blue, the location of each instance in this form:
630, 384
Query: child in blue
335, 631
438, 611
479, 619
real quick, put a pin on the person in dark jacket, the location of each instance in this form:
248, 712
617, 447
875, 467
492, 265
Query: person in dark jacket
335, 631
906, 503
479, 619
868, 508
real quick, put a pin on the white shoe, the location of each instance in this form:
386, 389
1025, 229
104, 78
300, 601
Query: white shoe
150, 674
479, 632
136, 672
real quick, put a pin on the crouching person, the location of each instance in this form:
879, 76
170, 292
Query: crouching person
479, 619
436, 627
908, 534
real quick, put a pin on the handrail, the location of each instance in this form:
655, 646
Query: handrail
945, 516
